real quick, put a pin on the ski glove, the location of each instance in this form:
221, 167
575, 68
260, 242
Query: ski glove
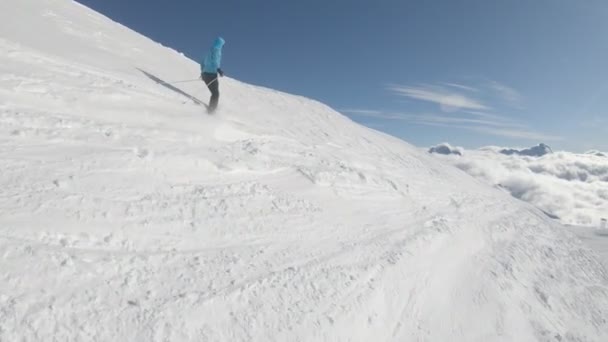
220, 72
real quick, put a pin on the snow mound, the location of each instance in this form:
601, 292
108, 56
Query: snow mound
446, 149
127, 214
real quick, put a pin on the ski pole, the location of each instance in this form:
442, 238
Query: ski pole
184, 81
208, 84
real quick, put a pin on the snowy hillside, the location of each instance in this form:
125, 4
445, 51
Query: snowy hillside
127, 214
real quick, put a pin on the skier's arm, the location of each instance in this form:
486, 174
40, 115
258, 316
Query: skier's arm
218, 58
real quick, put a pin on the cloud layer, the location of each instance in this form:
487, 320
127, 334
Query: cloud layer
473, 108
570, 187
446, 149
448, 101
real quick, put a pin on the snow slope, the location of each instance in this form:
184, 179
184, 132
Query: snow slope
596, 239
126, 214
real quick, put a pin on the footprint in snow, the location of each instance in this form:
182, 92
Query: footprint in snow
142, 153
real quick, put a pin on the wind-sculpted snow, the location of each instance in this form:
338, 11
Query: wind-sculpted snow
568, 186
129, 214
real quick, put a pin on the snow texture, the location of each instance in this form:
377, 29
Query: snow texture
127, 214
596, 239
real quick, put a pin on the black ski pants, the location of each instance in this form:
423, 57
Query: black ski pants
213, 83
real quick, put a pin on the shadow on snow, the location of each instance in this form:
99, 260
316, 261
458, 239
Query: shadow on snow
171, 87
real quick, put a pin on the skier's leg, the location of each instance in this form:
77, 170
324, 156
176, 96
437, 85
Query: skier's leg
215, 95
213, 84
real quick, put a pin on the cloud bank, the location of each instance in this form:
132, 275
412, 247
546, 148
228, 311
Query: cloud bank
446, 149
572, 188
536, 151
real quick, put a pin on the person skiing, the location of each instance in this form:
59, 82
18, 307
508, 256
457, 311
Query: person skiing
210, 69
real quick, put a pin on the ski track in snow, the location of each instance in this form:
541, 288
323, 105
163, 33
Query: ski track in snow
128, 214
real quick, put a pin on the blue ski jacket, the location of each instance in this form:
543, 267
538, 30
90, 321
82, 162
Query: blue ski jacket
213, 60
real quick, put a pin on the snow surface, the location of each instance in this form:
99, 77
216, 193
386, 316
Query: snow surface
127, 214
596, 238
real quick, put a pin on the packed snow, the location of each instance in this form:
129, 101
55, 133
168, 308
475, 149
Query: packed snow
595, 238
128, 214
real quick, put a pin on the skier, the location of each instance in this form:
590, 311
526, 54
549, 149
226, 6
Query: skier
210, 69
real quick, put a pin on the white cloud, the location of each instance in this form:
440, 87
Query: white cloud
452, 96
376, 114
449, 101
450, 120
571, 187
509, 95
489, 124
466, 111
494, 117
461, 87
517, 133
426, 119
364, 112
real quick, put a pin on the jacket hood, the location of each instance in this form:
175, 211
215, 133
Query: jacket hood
219, 43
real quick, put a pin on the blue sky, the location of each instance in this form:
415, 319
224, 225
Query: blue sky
468, 72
